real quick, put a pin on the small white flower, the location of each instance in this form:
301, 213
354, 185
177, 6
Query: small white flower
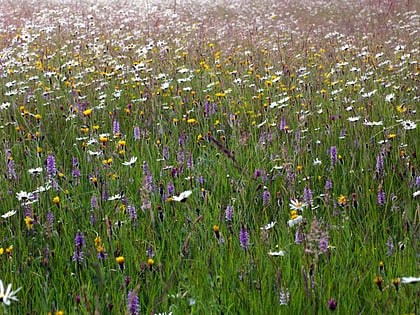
262, 124
131, 162
9, 214
182, 196
8, 295
297, 205
416, 193
94, 153
35, 171
165, 85
269, 225
410, 279
373, 123
389, 97
317, 162
368, 94
23, 195
277, 253
116, 197
42, 188
352, 119
293, 222
408, 124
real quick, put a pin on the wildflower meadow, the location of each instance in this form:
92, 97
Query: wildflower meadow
209, 157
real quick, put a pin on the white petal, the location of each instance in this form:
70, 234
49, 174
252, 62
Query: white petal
182, 196
9, 288
410, 279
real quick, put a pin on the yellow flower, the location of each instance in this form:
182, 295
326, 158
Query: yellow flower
342, 200
103, 139
120, 260
379, 281
293, 214
191, 121
56, 200
98, 241
29, 222
87, 112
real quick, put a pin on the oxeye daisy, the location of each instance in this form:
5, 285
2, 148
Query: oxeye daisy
294, 218
35, 171
9, 214
8, 295
408, 124
268, 226
410, 279
182, 196
297, 205
131, 162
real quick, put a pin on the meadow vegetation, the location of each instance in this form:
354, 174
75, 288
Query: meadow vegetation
210, 157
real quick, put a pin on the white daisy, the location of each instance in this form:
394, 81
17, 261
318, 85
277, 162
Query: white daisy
352, 119
269, 225
94, 153
35, 171
408, 124
389, 97
297, 205
131, 162
23, 195
8, 295
9, 214
182, 196
410, 279
116, 197
416, 193
373, 123
317, 162
42, 188
293, 222
276, 253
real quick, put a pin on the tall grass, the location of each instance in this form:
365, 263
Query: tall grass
293, 124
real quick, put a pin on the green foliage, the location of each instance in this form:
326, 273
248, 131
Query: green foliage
248, 117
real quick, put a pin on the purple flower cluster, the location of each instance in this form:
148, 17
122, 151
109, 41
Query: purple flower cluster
133, 307
51, 168
80, 243
244, 238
